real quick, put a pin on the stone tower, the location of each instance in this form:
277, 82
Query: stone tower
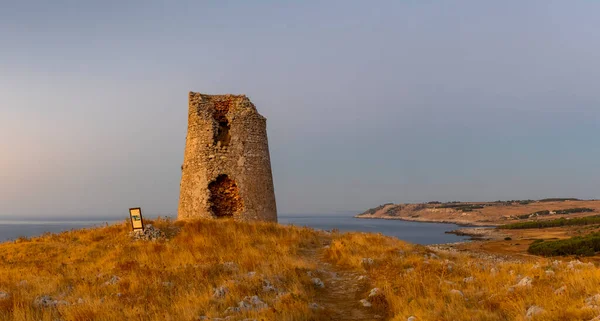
226, 169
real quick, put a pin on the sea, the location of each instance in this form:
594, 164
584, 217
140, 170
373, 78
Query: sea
413, 232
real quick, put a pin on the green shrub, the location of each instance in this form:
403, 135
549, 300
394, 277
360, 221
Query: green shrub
558, 199
575, 210
553, 223
580, 245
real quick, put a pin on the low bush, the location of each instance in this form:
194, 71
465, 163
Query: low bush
580, 245
553, 223
558, 199
574, 210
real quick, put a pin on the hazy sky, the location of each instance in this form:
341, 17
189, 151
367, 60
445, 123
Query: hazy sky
367, 101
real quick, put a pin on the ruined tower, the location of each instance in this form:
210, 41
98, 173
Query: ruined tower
226, 170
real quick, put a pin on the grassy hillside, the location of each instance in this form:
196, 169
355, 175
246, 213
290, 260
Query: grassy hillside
208, 269
485, 213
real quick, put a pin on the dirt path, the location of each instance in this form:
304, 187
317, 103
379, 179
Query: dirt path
342, 292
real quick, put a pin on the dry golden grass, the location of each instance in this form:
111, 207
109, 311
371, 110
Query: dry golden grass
172, 279
175, 278
416, 284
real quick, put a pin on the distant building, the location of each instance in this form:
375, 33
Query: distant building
226, 170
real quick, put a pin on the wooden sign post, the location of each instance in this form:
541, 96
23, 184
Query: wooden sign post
137, 223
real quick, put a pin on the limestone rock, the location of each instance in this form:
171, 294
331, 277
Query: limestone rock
560, 291
533, 311
249, 303
525, 282
220, 292
113, 280
46, 301
318, 283
374, 292
150, 233
365, 303
593, 301
268, 287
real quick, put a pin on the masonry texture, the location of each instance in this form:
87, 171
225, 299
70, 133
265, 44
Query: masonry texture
226, 169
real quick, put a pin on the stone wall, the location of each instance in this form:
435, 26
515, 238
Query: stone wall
227, 169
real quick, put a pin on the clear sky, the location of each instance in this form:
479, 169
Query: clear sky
367, 101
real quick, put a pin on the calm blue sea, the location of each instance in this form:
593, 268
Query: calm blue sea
414, 232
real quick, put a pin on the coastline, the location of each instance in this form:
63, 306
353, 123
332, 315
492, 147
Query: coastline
420, 220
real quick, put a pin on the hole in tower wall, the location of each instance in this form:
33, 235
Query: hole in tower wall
224, 197
222, 136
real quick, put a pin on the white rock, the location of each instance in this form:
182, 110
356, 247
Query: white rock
220, 292
315, 306
525, 282
374, 292
533, 311
113, 280
232, 310
560, 291
249, 303
593, 301
469, 279
411, 318
45, 301
4, 295
268, 287
365, 303
318, 283
256, 302
549, 273
367, 261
